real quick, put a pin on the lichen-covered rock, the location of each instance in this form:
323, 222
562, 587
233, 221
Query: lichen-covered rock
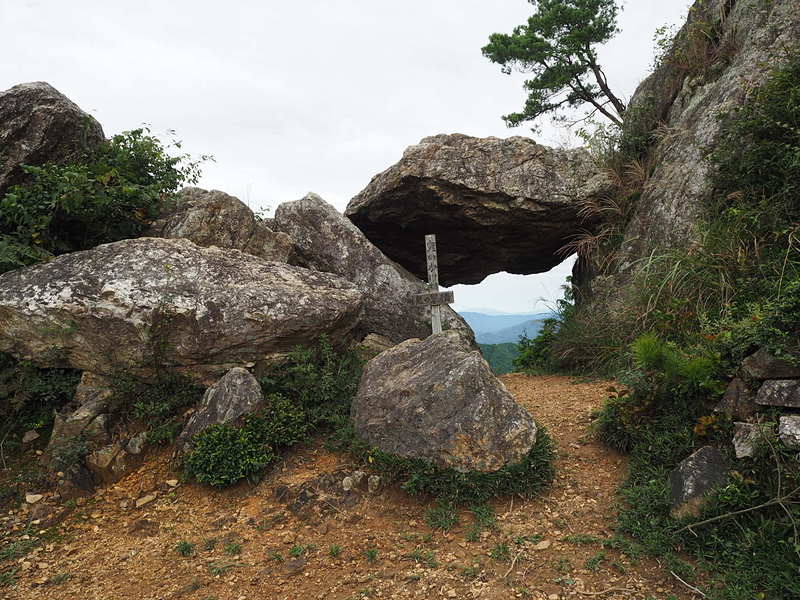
437, 399
109, 464
747, 436
694, 478
83, 421
213, 218
750, 40
494, 204
236, 394
39, 125
326, 241
763, 365
779, 392
201, 311
789, 430
738, 402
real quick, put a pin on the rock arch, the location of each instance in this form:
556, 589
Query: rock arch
495, 205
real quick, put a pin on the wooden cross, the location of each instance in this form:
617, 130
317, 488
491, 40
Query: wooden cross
434, 298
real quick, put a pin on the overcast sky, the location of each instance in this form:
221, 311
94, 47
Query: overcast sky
303, 95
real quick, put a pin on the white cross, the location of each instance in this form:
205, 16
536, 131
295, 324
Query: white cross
434, 298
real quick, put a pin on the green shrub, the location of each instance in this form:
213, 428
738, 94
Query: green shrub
320, 380
106, 194
283, 424
30, 395
222, 455
420, 477
156, 404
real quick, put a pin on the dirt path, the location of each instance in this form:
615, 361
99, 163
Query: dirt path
274, 541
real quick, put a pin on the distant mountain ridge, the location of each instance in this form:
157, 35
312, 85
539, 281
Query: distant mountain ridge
499, 329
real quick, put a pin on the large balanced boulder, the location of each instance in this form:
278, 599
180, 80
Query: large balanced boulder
494, 204
325, 240
216, 219
437, 399
235, 395
40, 125
202, 311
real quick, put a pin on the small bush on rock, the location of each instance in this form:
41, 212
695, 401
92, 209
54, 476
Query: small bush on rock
110, 193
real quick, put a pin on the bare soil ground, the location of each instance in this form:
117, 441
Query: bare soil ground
274, 540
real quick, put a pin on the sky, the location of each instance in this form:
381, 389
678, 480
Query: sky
304, 95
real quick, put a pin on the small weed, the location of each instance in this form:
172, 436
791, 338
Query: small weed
619, 567
190, 588
233, 548
471, 572
210, 543
8, 577
563, 566
500, 552
483, 519
593, 562
371, 555
276, 556
57, 579
443, 516
184, 548
219, 568
427, 558
581, 539
335, 550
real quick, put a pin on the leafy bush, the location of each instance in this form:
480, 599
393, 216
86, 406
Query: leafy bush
421, 477
320, 380
29, 395
106, 194
223, 454
310, 390
156, 404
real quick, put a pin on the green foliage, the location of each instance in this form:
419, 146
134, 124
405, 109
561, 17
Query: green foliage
371, 555
534, 355
223, 454
30, 395
420, 477
335, 550
185, 548
320, 380
500, 552
660, 420
233, 548
500, 356
557, 47
155, 404
483, 519
109, 193
311, 390
443, 516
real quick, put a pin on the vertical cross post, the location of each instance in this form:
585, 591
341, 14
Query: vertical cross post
433, 281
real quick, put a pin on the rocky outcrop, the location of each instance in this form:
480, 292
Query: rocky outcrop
40, 125
236, 394
747, 437
789, 430
216, 219
196, 310
495, 205
721, 55
438, 400
326, 241
695, 478
763, 365
780, 392
85, 420
738, 402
